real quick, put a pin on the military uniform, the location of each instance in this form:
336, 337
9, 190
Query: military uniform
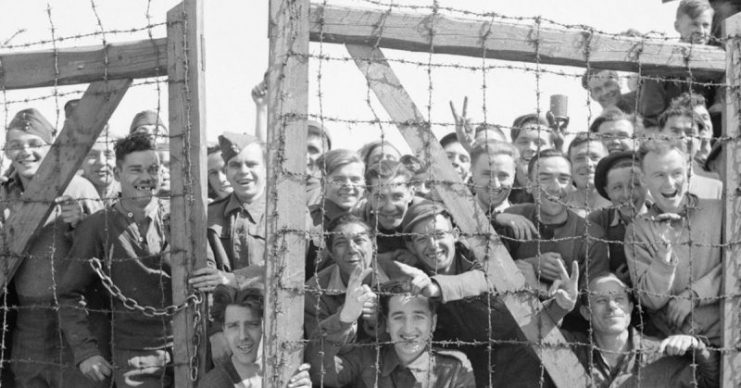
236, 233
365, 366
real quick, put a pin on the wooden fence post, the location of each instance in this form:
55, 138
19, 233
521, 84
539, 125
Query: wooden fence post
187, 108
288, 87
731, 305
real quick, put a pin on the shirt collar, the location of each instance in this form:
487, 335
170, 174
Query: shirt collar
616, 219
690, 206
391, 361
151, 211
255, 210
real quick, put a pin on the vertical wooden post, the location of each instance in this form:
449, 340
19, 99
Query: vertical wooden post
186, 91
731, 365
288, 87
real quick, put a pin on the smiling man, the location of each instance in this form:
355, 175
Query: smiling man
604, 87
408, 361
585, 151
564, 237
36, 338
129, 239
619, 354
98, 168
673, 251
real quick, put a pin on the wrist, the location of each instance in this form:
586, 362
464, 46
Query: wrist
345, 317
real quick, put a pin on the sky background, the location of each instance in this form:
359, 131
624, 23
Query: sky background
237, 56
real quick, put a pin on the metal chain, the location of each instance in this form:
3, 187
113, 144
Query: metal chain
132, 304
195, 360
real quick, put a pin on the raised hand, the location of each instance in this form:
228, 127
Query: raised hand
463, 129
357, 296
71, 209
667, 236
548, 265
96, 368
565, 289
522, 228
301, 378
678, 345
421, 282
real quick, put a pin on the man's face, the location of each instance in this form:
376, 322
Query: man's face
410, 324
460, 159
704, 115
25, 151
216, 176
533, 138
665, 176
351, 248
493, 178
344, 185
584, 159
609, 307
246, 173
433, 242
617, 136
243, 332
604, 88
625, 189
99, 164
315, 147
164, 156
390, 200
683, 127
383, 152
139, 175
695, 30
551, 178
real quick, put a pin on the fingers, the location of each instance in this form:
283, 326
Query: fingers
465, 106
575, 272
452, 110
554, 287
64, 199
561, 269
301, 378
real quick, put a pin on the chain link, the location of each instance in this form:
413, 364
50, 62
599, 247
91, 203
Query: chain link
131, 304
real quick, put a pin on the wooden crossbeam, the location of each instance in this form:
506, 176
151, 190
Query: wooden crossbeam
502, 273
57, 169
187, 110
65, 66
286, 190
512, 42
731, 305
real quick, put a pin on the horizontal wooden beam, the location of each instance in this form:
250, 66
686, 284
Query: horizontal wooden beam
65, 66
513, 42
502, 273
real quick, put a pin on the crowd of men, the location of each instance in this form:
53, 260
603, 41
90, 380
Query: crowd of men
618, 234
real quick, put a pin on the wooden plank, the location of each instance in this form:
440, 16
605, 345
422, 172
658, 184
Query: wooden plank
187, 110
147, 58
511, 42
57, 169
502, 273
286, 192
731, 365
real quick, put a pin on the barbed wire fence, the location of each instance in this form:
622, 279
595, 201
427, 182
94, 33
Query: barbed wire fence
534, 44
161, 59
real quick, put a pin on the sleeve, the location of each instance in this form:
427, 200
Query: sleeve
457, 287
78, 276
708, 367
708, 286
326, 364
318, 315
653, 279
597, 257
464, 377
651, 101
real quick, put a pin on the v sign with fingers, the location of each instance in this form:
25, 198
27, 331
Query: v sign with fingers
358, 296
565, 289
463, 129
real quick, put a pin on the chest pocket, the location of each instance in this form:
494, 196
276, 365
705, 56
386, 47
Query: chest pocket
245, 240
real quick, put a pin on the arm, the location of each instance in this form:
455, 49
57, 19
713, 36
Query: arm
596, 253
78, 276
708, 286
463, 285
652, 278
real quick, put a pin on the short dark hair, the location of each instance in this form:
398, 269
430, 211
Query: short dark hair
334, 159
544, 154
693, 8
689, 100
593, 72
315, 128
225, 296
610, 115
134, 142
660, 146
449, 139
387, 170
396, 288
584, 295
340, 221
532, 118
581, 138
677, 110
